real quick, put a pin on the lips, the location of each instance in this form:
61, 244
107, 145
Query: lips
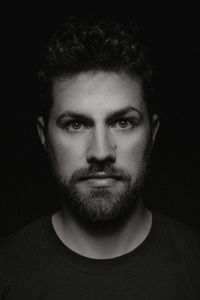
101, 180
102, 176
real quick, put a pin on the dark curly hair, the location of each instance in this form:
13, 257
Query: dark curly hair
105, 46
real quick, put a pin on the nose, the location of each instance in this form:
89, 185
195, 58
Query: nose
101, 148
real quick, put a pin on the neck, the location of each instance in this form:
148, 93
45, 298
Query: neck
111, 241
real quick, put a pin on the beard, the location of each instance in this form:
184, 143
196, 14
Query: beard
106, 204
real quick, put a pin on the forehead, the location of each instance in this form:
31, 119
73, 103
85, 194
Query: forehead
97, 93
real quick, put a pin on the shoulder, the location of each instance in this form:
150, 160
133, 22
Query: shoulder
13, 245
182, 233
185, 241
19, 236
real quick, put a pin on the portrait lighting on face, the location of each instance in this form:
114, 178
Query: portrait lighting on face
99, 139
97, 124
98, 116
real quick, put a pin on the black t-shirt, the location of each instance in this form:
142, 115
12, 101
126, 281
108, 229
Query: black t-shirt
35, 264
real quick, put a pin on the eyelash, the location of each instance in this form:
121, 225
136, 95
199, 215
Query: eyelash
131, 121
87, 125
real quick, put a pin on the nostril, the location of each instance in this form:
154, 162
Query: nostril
101, 161
101, 154
101, 147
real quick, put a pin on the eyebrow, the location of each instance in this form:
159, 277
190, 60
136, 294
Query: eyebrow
113, 115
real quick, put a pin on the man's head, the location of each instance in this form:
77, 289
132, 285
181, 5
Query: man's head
98, 127
88, 46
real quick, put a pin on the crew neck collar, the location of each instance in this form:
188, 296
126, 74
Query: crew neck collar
84, 263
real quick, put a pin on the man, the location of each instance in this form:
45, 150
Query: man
98, 127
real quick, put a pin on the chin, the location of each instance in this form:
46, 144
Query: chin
103, 205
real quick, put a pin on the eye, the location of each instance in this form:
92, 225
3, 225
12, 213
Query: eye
123, 124
76, 126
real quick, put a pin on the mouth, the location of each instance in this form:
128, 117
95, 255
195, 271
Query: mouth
101, 180
101, 176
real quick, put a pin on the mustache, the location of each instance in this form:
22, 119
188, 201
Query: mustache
100, 172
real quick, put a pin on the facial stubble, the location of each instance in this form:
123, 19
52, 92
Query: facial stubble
106, 204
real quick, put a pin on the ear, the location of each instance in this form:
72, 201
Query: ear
41, 127
155, 126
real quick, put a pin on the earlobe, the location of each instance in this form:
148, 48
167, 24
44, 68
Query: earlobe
41, 131
155, 126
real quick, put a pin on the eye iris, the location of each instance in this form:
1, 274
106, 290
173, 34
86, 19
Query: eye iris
76, 125
123, 123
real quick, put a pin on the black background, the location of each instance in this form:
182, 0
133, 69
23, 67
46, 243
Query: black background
172, 33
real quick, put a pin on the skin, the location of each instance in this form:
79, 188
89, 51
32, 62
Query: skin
104, 135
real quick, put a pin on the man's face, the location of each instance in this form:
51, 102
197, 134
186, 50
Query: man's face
99, 137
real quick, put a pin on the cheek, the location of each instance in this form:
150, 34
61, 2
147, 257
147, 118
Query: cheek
67, 154
132, 151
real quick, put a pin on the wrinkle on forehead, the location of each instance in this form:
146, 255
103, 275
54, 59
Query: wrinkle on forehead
102, 90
